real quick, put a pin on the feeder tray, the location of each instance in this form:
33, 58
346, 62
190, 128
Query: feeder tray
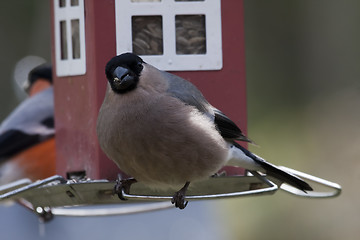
58, 196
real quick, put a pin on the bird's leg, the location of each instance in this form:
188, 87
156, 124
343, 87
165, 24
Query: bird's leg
179, 197
123, 185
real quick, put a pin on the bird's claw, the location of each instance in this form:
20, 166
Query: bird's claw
123, 185
179, 197
179, 200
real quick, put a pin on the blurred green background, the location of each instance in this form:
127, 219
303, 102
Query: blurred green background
303, 79
24, 31
303, 86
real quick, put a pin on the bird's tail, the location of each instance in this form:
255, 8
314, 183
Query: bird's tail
278, 173
283, 176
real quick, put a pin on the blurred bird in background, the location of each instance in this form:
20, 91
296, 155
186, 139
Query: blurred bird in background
27, 145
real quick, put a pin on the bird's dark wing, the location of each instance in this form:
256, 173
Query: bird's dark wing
15, 141
227, 128
48, 122
30, 123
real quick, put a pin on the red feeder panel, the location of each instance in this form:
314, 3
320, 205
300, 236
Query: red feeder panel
201, 41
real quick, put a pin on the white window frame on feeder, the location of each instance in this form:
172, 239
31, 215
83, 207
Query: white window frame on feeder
168, 9
70, 65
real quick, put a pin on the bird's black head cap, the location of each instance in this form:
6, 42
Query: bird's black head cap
43, 71
123, 72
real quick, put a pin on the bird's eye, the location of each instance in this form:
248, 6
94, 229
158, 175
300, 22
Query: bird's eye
139, 66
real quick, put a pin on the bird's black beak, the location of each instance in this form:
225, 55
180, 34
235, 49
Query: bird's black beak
123, 79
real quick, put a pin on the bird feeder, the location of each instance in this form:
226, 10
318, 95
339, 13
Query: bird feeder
199, 40
193, 39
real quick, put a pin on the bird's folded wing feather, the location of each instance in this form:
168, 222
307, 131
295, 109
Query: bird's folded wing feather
190, 95
15, 141
227, 128
30, 123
